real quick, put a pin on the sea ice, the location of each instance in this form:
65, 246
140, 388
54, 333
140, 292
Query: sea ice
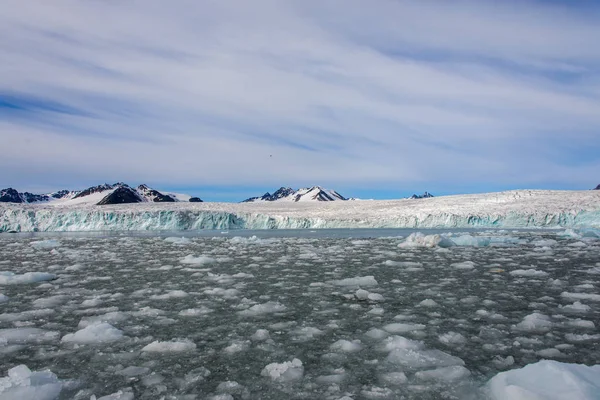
174, 346
101, 332
23, 384
288, 371
547, 380
10, 278
361, 281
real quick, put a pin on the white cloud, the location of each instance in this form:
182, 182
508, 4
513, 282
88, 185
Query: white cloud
338, 92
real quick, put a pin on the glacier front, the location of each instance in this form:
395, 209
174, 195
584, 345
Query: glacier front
511, 209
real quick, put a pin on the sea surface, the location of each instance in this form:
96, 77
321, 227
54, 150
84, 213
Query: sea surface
296, 314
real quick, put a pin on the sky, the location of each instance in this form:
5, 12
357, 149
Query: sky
228, 99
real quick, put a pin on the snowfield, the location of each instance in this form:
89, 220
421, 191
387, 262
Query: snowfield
512, 209
270, 315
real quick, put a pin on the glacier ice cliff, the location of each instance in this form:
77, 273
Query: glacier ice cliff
512, 209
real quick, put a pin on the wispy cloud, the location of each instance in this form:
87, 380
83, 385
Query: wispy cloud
472, 94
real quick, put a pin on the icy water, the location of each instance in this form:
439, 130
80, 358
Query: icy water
342, 314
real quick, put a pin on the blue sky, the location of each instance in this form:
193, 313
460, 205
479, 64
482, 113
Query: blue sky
227, 100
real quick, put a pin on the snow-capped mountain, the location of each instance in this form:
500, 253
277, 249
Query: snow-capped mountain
10, 195
425, 195
117, 193
315, 193
597, 187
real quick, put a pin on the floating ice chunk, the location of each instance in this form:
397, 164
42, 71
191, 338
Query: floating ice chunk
444, 374
451, 338
547, 380
417, 239
120, 395
336, 378
306, 333
399, 327
528, 273
399, 342
501, 362
576, 307
361, 294
572, 337
362, 281
115, 316
581, 296
173, 294
269, 307
428, 303
468, 240
102, 332
463, 265
375, 297
201, 260
288, 371
195, 312
346, 346
582, 323
178, 240
49, 302
10, 278
237, 347
569, 233
550, 353
418, 359
23, 384
3, 298
376, 334
45, 244
393, 378
173, 346
27, 335
376, 393
260, 335
535, 322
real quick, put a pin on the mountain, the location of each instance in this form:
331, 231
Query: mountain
315, 193
154, 195
597, 187
425, 195
117, 193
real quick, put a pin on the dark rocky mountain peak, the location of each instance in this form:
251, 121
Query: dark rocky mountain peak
154, 195
121, 195
425, 195
97, 189
597, 187
195, 200
10, 195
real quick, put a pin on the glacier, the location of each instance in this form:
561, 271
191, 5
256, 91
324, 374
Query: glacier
511, 209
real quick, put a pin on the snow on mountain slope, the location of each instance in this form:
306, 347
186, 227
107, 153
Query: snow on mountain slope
315, 193
513, 209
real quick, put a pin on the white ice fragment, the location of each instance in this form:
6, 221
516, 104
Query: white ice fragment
360, 281
45, 244
260, 335
414, 358
398, 342
375, 297
531, 273
195, 312
178, 240
428, 303
288, 371
120, 395
393, 378
576, 307
10, 278
361, 294
173, 346
25, 335
133, 371
346, 346
445, 374
3, 298
201, 260
581, 296
172, 294
399, 327
547, 380
535, 322
417, 239
452, 338
102, 332
262, 309
23, 384
463, 265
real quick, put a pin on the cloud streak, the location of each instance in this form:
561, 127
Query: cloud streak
476, 95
